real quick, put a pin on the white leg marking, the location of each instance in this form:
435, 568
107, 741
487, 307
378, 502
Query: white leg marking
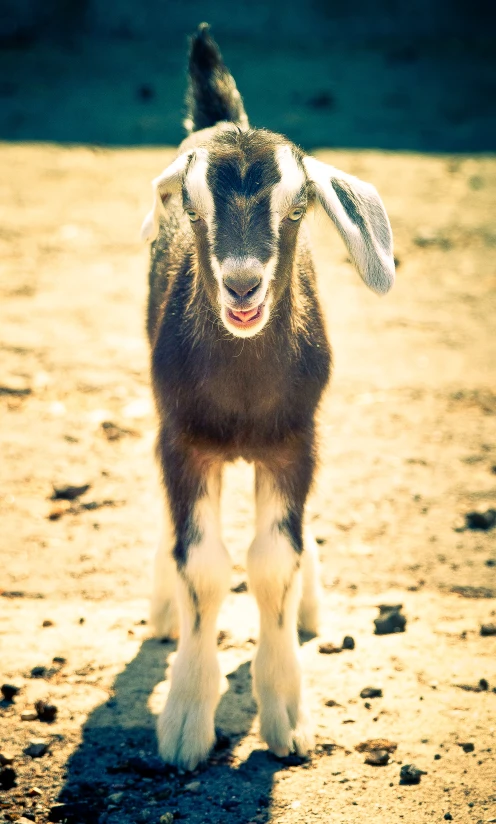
164, 613
308, 614
186, 731
275, 580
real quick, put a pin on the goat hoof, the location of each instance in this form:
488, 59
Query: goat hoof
282, 735
303, 740
185, 733
302, 743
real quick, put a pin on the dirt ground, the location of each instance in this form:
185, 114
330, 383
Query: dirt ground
407, 449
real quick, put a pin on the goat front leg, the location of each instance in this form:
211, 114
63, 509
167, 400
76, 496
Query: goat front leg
186, 731
274, 561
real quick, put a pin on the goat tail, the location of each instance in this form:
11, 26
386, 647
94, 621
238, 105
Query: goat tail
212, 94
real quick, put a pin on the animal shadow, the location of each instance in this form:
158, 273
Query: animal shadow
116, 777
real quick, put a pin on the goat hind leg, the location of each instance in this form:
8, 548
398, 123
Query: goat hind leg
308, 613
164, 613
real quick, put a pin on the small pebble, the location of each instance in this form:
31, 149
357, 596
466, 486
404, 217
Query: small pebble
29, 715
488, 629
377, 758
466, 746
437, 757
448, 817
371, 692
46, 712
481, 520
115, 798
166, 818
242, 587
7, 778
410, 774
348, 642
34, 791
328, 649
6, 758
193, 787
390, 620
9, 691
69, 492
38, 672
36, 748
373, 744
58, 659
47, 623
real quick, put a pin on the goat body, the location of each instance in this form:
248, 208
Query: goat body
240, 359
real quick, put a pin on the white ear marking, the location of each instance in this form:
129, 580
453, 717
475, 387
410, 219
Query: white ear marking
359, 215
165, 185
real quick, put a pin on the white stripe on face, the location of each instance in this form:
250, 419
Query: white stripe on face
197, 188
290, 184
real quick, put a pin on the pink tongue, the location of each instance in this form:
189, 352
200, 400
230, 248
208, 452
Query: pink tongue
244, 316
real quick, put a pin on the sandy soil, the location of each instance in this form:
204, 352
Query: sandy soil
407, 448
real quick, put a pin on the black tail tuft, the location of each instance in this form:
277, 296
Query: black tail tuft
212, 93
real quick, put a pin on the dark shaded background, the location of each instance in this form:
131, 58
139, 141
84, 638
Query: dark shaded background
391, 74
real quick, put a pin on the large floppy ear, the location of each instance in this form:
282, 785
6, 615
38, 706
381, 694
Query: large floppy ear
166, 184
359, 215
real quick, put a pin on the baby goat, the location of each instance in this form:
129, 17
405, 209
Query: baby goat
240, 358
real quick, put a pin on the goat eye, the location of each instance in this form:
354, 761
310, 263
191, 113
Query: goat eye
193, 216
295, 214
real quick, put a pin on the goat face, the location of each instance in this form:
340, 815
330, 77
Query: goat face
251, 201
245, 195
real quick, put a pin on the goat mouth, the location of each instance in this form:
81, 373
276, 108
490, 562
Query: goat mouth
243, 320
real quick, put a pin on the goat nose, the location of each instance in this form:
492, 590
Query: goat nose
240, 284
